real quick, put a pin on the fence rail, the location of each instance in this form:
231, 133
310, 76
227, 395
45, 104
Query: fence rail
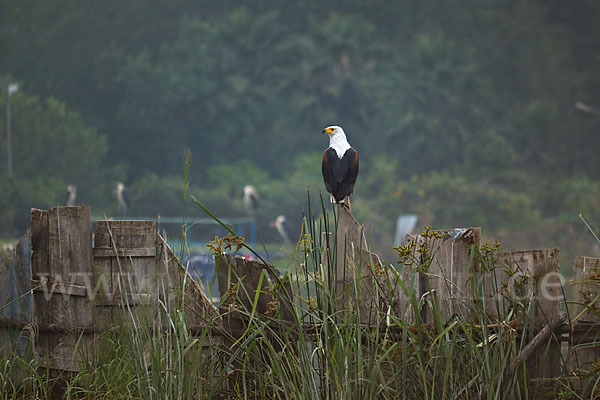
65, 278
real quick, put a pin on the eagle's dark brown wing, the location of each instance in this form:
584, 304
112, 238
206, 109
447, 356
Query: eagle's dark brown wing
339, 174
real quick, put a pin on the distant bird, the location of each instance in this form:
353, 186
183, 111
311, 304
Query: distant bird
122, 197
340, 166
280, 226
71, 195
8, 248
251, 199
581, 106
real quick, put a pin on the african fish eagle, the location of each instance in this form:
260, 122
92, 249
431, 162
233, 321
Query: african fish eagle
340, 166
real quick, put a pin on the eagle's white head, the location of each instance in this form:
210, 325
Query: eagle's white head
334, 131
337, 139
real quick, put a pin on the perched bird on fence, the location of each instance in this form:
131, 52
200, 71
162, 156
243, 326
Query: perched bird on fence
280, 225
339, 167
71, 196
122, 197
251, 199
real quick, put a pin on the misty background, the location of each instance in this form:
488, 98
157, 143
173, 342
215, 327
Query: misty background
465, 113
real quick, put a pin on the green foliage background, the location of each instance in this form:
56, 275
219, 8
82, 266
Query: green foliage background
462, 111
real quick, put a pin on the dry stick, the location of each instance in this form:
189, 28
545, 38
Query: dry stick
532, 346
539, 339
589, 228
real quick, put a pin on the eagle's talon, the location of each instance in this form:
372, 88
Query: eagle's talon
346, 203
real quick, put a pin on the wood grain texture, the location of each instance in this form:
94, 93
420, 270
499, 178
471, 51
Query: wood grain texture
584, 348
447, 277
16, 300
125, 270
239, 286
62, 265
199, 310
346, 261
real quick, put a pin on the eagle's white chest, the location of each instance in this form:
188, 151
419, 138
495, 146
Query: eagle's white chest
339, 144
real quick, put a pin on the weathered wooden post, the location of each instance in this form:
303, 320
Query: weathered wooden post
531, 276
447, 276
450, 270
525, 275
250, 280
16, 303
584, 348
61, 243
350, 268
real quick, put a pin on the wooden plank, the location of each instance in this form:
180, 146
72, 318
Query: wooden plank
129, 273
64, 351
381, 295
526, 275
69, 263
39, 242
531, 276
102, 234
132, 299
586, 288
199, 310
239, 284
63, 262
16, 302
103, 277
130, 234
416, 284
247, 273
540, 339
124, 252
58, 287
450, 270
70, 243
15, 274
138, 275
446, 277
584, 348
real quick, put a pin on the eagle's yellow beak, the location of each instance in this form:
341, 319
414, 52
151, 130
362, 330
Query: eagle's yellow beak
327, 130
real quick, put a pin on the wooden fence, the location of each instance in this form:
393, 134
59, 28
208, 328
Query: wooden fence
64, 278
69, 288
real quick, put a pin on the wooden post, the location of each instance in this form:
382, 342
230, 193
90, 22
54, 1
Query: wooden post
352, 268
16, 301
449, 273
61, 265
244, 276
584, 348
530, 276
527, 274
447, 278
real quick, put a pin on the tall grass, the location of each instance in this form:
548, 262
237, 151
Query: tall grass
313, 343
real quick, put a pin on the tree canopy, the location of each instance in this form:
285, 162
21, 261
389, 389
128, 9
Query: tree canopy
462, 110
